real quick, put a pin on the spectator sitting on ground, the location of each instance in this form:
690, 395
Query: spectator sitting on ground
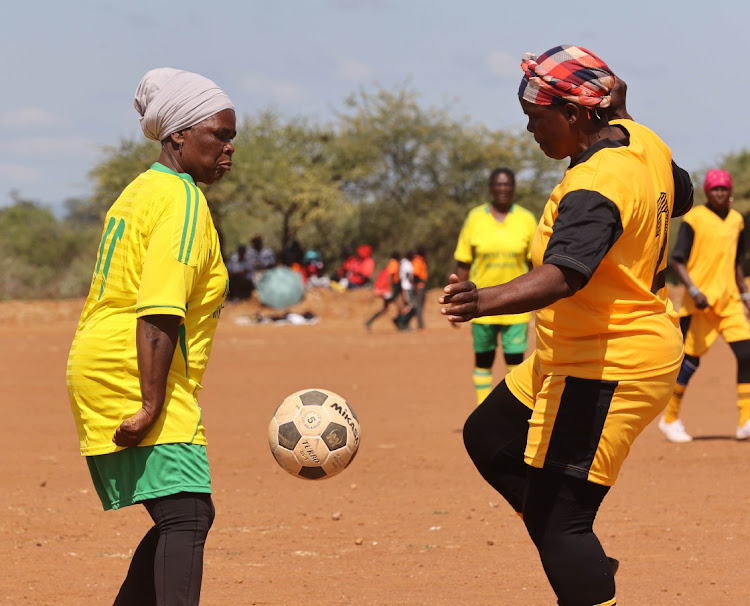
261, 256
315, 269
363, 268
240, 268
347, 266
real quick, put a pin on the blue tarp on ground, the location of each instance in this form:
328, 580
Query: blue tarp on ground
280, 287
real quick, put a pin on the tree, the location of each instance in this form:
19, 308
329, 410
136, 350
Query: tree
117, 169
41, 256
414, 172
282, 177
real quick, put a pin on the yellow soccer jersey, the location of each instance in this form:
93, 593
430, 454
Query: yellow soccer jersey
709, 246
608, 219
498, 252
159, 254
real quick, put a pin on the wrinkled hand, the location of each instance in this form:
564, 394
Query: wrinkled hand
461, 300
700, 300
131, 431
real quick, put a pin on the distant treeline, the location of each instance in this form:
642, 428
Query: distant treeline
386, 171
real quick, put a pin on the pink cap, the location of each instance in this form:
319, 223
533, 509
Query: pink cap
717, 177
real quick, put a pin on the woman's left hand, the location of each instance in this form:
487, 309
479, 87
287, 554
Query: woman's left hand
461, 300
131, 431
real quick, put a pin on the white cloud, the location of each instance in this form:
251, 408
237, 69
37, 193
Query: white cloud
18, 174
45, 146
26, 118
353, 70
503, 65
280, 91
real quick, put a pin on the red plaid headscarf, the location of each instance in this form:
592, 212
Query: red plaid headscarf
566, 73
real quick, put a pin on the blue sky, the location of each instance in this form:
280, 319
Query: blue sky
70, 68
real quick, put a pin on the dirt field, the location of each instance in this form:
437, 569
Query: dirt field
417, 525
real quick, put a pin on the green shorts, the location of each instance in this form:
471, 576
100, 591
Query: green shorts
133, 475
515, 337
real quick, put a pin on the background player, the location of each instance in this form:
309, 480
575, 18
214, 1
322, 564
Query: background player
494, 247
707, 258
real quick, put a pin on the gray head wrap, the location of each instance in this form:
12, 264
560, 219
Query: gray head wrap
170, 100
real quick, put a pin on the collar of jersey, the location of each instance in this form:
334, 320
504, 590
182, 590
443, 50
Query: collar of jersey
158, 166
716, 212
487, 208
598, 146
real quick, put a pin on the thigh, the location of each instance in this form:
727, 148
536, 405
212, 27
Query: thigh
701, 333
498, 425
485, 337
184, 511
733, 326
515, 338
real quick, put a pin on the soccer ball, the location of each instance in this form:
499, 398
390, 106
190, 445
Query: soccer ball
314, 434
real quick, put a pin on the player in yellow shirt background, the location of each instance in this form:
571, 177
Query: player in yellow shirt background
707, 258
494, 247
144, 337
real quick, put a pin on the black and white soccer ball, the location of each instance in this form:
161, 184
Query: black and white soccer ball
314, 434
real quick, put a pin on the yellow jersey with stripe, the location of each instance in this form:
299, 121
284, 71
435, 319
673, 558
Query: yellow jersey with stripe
159, 254
497, 252
711, 246
608, 219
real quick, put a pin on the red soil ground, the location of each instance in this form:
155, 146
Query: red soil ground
414, 523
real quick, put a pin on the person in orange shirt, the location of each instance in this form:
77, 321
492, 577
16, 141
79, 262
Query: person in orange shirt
390, 290
420, 284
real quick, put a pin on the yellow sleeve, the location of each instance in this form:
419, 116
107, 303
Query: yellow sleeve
532, 230
170, 265
464, 251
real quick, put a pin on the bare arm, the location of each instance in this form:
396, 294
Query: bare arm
539, 288
156, 339
462, 271
739, 276
700, 300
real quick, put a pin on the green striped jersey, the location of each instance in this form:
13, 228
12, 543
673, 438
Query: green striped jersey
159, 254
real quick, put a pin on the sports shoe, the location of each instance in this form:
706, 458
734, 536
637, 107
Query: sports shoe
675, 431
743, 433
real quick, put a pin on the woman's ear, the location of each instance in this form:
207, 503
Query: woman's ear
177, 139
572, 112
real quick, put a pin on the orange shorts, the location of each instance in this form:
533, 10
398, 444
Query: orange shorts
585, 427
706, 325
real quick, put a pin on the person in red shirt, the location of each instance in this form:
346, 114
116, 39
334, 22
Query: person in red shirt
390, 289
419, 264
362, 268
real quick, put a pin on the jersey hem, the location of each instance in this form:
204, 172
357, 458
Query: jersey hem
93, 451
169, 310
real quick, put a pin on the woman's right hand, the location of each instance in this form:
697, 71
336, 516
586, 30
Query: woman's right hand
700, 300
461, 300
131, 431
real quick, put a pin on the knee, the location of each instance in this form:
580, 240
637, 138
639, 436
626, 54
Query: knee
484, 359
689, 366
473, 433
513, 359
741, 351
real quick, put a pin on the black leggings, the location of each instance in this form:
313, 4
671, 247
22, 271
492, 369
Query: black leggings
558, 510
167, 566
